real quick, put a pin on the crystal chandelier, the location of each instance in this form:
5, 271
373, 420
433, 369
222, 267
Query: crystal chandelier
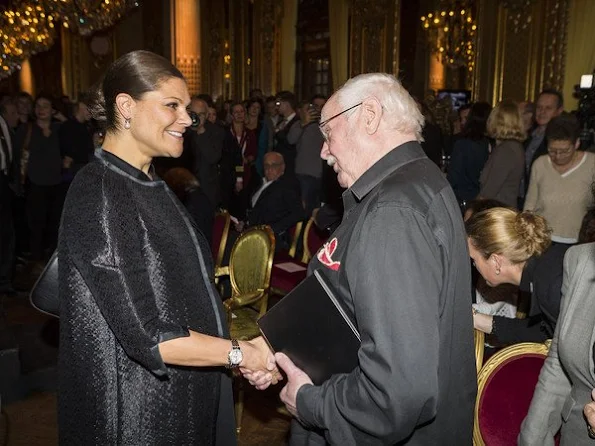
451, 32
30, 27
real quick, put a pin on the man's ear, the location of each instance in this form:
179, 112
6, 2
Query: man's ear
372, 114
126, 105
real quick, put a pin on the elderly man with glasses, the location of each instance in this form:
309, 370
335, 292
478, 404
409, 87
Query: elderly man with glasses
400, 266
560, 185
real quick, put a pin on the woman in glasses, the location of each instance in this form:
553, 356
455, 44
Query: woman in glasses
560, 185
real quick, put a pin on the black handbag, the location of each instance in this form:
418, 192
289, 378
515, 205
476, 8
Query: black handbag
45, 295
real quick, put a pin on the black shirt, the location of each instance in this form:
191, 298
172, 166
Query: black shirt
76, 142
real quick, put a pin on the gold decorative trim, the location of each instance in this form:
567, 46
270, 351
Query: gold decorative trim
491, 366
479, 338
500, 55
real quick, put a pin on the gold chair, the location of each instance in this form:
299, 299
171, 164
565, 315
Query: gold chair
479, 338
296, 232
505, 386
250, 274
221, 227
314, 238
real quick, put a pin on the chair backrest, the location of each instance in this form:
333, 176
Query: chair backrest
314, 238
220, 232
479, 338
251, 260
505, 388
295, 232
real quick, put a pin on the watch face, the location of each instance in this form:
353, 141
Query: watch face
235, 356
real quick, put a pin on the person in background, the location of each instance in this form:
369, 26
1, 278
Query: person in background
188, 190
566, 381
266, 139
212, 115
287, 105
143, 335
40, 173
25, 107
527, 110
503, 171
508, 246
469, 154
76, 140
8, 120
306, 136
432, 142
560, 185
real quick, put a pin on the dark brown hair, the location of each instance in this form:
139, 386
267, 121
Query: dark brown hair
135, 74
181, 181
564, 127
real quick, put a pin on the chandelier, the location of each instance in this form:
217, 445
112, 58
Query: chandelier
30, 27
451, 32
519, 13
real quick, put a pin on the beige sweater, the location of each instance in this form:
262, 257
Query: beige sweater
563, 199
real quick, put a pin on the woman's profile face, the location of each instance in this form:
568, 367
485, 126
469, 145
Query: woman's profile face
160, 118
485, 267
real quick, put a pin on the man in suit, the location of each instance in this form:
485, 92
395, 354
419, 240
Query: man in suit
204, 146
277, 201
287, 105
399, 266
550, 104
8, 121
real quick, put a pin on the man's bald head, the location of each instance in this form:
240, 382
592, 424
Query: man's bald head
274, 166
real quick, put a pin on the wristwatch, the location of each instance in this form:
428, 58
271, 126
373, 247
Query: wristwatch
235, 356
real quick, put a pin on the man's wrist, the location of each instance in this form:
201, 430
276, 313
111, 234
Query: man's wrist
306, 403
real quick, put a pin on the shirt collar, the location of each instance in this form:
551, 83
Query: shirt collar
392, 161
527, 276
128, 168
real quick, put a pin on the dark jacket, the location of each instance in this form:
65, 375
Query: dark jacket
282, 145
542, 279
134, 273
466, 162
280, 207
204, 152
400, 266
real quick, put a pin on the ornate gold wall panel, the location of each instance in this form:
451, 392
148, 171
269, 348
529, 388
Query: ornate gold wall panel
532, 59
374, 36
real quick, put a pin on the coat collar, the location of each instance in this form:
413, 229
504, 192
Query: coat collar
132, 171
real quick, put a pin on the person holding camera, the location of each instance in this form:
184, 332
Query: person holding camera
308, 140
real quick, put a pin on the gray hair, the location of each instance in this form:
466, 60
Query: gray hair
402, 112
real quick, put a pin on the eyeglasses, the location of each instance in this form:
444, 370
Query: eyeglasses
323, 123
560, 152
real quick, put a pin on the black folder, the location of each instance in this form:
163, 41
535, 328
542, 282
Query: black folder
310, 327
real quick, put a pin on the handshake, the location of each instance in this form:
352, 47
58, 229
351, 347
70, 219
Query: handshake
261, 368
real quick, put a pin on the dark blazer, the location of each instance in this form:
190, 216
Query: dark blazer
466, 162
279, 206
567, 377
289, 151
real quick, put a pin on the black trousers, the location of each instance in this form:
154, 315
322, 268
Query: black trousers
44, 208
7, 235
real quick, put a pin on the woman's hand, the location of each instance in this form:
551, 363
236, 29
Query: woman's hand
258, 365
482, 322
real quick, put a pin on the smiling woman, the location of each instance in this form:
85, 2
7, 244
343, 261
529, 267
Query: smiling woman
143, 340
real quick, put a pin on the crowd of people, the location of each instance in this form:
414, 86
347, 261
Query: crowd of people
125, 184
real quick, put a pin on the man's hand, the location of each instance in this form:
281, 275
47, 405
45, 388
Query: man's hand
589, 412
296, 378
239, 226
258, 366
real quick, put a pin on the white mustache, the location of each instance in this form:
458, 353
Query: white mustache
331, 160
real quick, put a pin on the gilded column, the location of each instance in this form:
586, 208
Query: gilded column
186, 52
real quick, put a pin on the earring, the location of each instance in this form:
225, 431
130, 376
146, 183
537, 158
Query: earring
498, 272
127, 123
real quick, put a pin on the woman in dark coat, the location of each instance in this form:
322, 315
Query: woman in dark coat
143, 340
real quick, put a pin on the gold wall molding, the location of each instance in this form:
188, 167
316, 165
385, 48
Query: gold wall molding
186, 41
374, 36
533, 58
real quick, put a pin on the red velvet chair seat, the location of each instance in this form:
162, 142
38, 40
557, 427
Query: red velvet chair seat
506, 385
283, 281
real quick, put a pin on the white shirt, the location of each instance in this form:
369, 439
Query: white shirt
257, 194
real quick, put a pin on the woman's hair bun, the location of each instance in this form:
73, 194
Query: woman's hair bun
534, 231
96, 103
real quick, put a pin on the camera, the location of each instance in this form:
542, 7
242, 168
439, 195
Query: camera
585, 93
195, 119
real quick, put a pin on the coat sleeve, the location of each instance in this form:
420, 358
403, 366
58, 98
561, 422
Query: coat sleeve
544, 418
396, 288
103, 236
